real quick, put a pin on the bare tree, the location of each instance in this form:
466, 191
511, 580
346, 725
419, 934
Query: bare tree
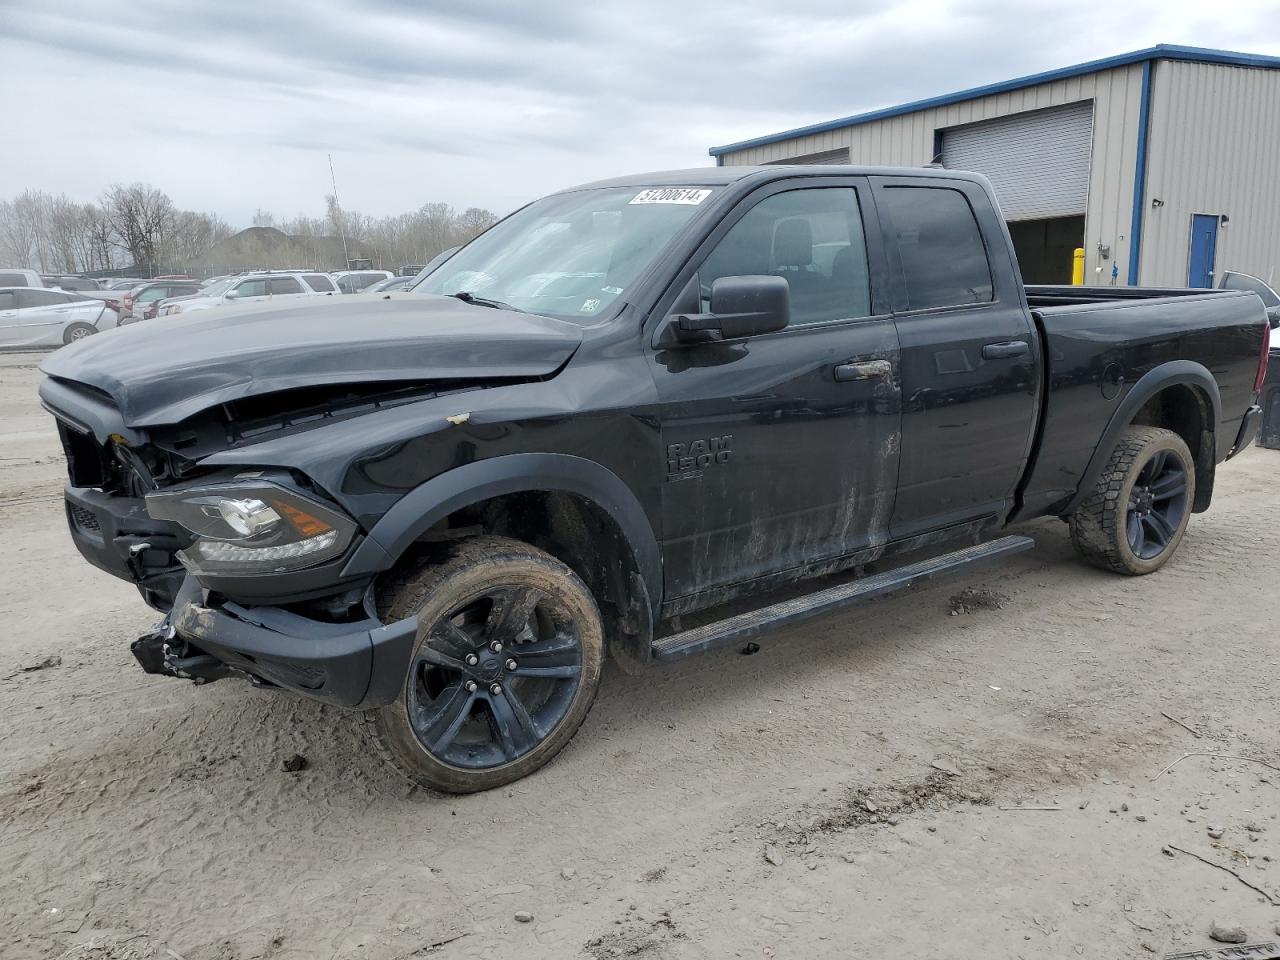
264, 218
140, 215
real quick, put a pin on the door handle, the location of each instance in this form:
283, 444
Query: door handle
1005, 350
870, 370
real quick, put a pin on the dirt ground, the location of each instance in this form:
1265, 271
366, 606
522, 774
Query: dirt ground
896, 781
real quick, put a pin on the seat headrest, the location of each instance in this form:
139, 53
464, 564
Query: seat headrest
793, 243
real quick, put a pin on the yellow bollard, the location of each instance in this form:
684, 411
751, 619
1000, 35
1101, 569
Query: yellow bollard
1077, 267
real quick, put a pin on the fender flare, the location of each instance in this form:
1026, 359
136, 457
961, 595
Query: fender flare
463, 486
1166, 375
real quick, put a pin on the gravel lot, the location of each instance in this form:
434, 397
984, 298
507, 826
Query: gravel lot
846, 792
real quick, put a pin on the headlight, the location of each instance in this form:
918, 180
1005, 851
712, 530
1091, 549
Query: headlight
252, 528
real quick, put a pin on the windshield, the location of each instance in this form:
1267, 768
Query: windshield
570, 255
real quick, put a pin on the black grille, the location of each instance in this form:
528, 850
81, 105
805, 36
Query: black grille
83, 518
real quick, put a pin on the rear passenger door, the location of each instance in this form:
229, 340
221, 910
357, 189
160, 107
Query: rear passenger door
970, 357
40, 314
780, 449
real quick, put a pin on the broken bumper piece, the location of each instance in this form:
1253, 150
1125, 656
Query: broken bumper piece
360, 664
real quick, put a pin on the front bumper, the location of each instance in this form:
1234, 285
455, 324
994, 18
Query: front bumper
116, 534
361, 664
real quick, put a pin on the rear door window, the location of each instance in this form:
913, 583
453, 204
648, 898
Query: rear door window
279, 285
944, 261
13, 280
40, 298
319, 282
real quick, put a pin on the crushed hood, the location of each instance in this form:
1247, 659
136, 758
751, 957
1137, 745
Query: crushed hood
164, 370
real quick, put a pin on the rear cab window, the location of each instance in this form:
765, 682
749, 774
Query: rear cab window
943, 258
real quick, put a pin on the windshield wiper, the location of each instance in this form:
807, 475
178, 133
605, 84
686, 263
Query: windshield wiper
467, 297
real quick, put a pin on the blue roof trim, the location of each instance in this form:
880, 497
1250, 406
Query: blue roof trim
1163, 51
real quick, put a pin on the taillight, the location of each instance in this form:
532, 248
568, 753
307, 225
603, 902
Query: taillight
1262, 360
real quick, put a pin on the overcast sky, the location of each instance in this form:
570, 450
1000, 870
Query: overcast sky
232, 105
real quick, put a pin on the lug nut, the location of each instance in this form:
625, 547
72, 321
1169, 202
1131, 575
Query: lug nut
496, 646
472, 659
471, 686
495, 689
511, 664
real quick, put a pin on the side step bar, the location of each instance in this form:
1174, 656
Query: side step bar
743, 626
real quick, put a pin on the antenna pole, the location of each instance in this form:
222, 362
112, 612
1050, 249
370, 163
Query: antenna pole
342, 229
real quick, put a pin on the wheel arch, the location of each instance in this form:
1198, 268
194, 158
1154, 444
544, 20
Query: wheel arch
1181, 396
574, 508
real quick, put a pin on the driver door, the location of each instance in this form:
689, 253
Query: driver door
781, 450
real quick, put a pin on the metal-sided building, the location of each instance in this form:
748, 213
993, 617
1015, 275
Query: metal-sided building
1163, 164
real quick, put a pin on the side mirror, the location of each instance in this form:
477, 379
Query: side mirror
740, 307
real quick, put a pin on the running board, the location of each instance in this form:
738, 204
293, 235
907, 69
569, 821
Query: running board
743, 626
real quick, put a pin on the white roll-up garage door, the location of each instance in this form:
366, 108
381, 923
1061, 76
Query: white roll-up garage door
1038, 162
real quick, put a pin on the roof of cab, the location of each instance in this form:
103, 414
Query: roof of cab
721, 176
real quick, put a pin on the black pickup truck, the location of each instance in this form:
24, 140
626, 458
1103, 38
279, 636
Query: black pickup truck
622, 406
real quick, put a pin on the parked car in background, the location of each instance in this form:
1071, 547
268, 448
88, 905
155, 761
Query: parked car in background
141, 302
124, 283
434, 262
39, 317
63, 282
389, 286
251, 288
19, 277
1269, 399
353, 281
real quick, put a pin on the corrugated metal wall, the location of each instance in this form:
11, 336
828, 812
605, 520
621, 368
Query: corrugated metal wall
1215, 149
1038, 162
909, 141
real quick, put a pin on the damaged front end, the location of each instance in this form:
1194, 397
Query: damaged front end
246, 565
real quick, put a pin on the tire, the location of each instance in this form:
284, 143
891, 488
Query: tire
1134, 518
459, 726
77, 331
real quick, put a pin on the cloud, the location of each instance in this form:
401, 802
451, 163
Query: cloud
234, 106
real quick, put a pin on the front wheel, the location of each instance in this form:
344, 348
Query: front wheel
1133, 519
504, 670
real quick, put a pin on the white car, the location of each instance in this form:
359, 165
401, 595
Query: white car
251, 288
20, 277
36, 317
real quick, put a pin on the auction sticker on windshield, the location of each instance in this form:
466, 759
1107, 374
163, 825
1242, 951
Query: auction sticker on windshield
690, 195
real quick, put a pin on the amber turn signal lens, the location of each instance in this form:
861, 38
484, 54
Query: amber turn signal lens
303, 522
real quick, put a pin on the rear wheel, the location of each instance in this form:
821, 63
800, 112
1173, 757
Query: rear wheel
77, 331
505, 668
1134, 518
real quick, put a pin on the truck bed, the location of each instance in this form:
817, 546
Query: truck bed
1100, 341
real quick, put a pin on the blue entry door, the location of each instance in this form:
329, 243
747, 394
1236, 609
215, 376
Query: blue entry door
1204, 245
